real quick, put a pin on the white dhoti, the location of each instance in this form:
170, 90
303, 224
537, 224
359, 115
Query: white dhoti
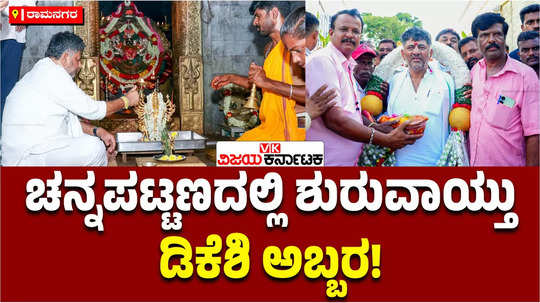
80, 151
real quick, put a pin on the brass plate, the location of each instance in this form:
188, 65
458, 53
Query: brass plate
178, 158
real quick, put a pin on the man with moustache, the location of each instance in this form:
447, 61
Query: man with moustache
469, 51
530, 21
41, 125
421, 90
341, 128
528, 45
505, 101
277, 111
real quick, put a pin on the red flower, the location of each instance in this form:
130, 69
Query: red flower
130, 53
467, 106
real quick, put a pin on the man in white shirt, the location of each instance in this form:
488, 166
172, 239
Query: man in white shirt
40, 125
13, 39
421, 90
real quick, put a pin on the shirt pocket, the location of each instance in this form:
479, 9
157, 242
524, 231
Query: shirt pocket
499, 115
433, 107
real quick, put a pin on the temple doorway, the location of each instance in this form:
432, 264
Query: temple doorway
141, 43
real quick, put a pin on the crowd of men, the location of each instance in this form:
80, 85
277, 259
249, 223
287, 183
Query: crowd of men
504, 119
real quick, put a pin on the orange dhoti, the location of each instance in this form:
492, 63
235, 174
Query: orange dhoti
277, 114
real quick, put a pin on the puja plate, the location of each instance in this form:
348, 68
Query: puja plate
132, 142
176, 158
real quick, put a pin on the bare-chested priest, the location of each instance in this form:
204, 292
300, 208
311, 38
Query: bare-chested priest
41, 126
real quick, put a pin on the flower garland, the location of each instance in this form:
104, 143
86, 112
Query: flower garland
148, 56
455, 151
375, 155
235, 113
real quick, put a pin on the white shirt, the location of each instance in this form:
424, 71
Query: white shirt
433, 99
8, 31
41, 109
361, 93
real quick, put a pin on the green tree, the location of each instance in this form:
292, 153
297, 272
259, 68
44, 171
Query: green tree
377, 27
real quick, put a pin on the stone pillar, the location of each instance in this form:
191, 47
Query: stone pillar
188, 73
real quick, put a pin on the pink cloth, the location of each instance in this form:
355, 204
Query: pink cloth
498, 131
362, 49
329, 66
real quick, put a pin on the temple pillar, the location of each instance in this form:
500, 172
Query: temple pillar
188, 73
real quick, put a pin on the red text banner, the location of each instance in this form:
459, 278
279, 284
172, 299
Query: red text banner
274, 234
21, 15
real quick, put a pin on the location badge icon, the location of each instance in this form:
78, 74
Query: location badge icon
15, 13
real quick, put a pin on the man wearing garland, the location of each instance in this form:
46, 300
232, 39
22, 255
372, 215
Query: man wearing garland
341, 127
421, 90
365, 65
505, 101
40, 126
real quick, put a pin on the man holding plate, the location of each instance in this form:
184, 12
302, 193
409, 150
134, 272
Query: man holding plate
425, 92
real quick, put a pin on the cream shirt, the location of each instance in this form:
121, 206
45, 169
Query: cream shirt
433, 99
41, 111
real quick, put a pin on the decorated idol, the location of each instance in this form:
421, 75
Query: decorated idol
132, 49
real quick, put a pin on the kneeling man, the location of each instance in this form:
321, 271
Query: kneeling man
40, 125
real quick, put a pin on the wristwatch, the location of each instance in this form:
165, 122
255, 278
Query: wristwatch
94, 131
304, 120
